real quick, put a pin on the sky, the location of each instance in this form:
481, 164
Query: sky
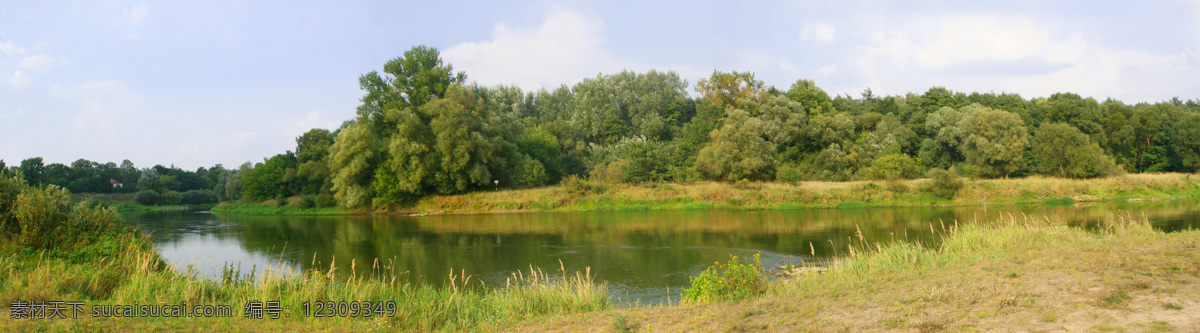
199, 83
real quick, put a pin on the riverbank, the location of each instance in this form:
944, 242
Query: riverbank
586, 196
1015, 275
594, 196
124, 202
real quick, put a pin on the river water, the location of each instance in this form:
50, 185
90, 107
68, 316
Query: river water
641, 255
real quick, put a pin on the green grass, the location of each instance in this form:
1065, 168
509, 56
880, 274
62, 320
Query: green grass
587, 195
268, 209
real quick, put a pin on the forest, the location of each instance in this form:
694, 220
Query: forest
422, 129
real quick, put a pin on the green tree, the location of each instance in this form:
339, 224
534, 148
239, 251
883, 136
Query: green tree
726, 89
738, 150
941, 148
271, 179
994, 141
813, 98
543, 147
312, 151
476, 144
31, 169
353, 158
1082, 113
416, 78
1062, 150
825, 130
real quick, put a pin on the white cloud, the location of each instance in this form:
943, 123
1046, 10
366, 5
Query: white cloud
564, 49
975, 52
937, 43
103, 108
18, 79
819, 33
139, 13
828, 70
39, 62
11, 48
787, 67
292, 127
246, 136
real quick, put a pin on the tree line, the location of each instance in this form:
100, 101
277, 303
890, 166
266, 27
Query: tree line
422, 129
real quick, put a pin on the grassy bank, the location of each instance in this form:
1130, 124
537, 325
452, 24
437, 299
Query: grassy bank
583, 195
1014, 275
274, 209
123, 202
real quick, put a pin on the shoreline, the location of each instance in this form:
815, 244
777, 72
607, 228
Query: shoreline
769, 196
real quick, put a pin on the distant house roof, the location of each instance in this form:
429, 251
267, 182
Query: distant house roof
113, 181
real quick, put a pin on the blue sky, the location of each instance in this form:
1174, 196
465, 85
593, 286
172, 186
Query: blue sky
204, 82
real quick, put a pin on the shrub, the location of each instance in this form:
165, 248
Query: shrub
530, 173
281, 200
789, 173
324, 200
735, 280
578, 187
43, 218
196, 197
609, 173
894, 166
148, 198
944, 183
172, 198
304, 201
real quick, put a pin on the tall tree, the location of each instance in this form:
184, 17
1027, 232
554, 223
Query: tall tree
353, 158
994, 141
1060, 149
738, 150
813, 98
409, 81
725, 89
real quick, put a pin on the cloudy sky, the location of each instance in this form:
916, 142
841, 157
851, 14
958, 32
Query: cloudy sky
196, 83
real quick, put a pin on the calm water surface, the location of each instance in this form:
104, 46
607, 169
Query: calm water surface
646, 255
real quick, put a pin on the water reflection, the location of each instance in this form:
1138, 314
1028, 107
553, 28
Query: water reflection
647, 255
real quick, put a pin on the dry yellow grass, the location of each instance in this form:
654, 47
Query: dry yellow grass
1008, 278
770, 195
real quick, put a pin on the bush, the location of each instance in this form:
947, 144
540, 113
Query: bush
789, 173
579, 187
609, 173
304, 201
148, 198
324, 200
281, 200
944, 183
172, 198
735, 280
895, 166
43, 218
197, 197
530, 173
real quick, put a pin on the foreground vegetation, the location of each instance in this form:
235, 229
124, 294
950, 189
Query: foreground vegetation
1018, 274
54, 249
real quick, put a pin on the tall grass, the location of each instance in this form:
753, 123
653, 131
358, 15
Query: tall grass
578, 194
866, 262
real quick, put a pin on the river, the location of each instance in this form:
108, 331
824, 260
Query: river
645, 256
